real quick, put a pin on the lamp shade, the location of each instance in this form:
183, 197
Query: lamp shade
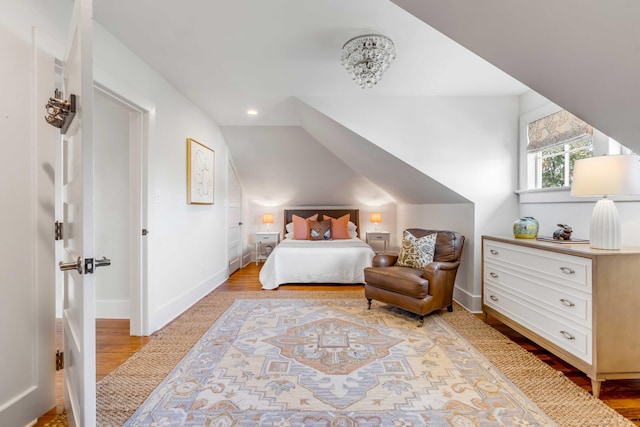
376, 217
267, 218
606, 176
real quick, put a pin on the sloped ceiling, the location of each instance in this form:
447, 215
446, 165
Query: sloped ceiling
228, 56
583, 55
323, 163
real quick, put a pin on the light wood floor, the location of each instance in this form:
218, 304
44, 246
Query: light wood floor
114, 346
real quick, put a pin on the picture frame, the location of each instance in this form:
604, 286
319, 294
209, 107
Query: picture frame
200, 173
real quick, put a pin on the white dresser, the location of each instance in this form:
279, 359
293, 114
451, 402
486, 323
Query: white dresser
581, 304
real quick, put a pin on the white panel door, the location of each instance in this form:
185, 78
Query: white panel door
234, 220
77, 210
27, 315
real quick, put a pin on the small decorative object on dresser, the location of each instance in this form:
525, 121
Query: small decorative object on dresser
563, 233
526, 228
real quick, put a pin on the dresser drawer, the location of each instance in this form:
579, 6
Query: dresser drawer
562, 300
570, 336
565, 269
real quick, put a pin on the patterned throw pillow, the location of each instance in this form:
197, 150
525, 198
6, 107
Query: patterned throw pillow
320, 230
416, 252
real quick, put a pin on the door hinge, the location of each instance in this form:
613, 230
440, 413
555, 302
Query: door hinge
59, 360
145, 231
58, 230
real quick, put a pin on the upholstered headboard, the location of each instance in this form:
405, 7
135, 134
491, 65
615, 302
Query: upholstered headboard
354, 215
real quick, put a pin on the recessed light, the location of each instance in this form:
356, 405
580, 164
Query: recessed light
252, 112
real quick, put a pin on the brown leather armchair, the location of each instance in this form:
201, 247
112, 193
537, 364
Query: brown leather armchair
420, 291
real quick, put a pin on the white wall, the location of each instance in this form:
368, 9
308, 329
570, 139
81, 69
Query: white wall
111, 167
458, 217
187, 244
187, 249
469, 144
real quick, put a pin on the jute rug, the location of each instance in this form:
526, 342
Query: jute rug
121, 393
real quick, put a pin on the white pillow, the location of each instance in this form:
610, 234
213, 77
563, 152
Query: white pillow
289, 235
353, 234
352, 226
289, 227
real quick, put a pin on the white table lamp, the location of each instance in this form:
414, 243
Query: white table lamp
267, 219
376, 218
606, 176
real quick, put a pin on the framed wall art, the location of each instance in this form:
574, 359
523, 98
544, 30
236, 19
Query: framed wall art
200, 173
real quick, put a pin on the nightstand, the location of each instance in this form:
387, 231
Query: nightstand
378, 236
266, 241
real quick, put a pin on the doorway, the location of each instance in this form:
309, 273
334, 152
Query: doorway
121, 129
120, 139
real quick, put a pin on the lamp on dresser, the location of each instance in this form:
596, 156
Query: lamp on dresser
267, 219
606, 176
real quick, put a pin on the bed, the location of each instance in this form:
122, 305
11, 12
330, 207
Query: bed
339, 261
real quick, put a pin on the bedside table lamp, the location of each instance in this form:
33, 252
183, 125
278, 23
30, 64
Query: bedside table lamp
606, 176
267, 219
376, 218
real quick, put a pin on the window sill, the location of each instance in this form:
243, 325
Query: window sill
563, 195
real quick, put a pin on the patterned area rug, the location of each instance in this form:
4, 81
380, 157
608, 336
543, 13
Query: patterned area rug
332, 362
121, 393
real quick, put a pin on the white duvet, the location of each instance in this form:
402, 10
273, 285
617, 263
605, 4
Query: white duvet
316, 261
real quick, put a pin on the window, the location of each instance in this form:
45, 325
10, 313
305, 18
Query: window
553, 144
554, 166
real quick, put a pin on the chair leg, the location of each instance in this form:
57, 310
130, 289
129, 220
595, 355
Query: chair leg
369, 303
421, 321
450, 308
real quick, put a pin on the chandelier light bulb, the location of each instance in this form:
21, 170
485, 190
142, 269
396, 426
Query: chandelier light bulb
367, 58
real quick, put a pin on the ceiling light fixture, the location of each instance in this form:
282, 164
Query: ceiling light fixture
252, 112
367, 58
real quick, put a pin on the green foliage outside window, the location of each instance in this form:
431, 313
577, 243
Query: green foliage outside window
556, 160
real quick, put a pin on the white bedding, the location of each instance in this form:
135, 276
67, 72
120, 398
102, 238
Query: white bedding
316, 261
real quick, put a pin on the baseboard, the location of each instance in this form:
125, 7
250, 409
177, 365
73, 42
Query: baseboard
168, 312
113, 309
473, 303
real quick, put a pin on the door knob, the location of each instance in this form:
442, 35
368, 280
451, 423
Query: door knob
66, 266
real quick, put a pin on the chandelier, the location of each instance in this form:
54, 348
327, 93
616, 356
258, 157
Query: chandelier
367, 58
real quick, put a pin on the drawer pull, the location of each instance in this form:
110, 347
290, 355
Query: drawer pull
493, 298
494, 275
567, 270
567, 302
567, 335
494, 252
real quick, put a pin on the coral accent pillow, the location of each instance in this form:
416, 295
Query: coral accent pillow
319, 230
300, 227
339, 227
416, 252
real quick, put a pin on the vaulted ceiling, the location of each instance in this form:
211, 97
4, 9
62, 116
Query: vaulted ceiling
229, 56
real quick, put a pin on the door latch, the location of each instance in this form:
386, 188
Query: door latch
90, 264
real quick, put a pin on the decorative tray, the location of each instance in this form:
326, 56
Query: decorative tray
551, 239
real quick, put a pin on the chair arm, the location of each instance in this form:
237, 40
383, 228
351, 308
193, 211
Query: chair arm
384, 260
440, 275
433, 268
